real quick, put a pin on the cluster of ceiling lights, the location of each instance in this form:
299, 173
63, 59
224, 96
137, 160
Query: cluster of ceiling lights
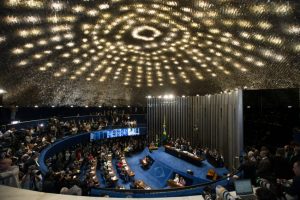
2, 91
148, 43
172, 96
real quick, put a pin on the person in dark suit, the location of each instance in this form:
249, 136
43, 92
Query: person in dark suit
248, 167
264, 168
294, 188
281, 165
296, 156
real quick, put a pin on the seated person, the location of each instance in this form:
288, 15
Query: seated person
211, 174
176, 179
120, 164
152, 146
149, 160
146, 161
124, 175
182, 181
294, 188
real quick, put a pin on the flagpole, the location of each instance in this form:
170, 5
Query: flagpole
163, 138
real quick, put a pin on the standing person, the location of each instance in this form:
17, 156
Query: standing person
280, 165
264, 168
249, 168
9, 175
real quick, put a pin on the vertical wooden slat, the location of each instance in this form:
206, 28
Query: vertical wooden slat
218, 118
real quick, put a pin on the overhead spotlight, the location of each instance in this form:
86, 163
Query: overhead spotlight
197, 95
290, 106
183, 96
114, 106
149, 97
86, 106
168, 96
53, 106
159, 96
56, 6
171, 96
2, 91
71, 106
128, 106
36, 106
100, 106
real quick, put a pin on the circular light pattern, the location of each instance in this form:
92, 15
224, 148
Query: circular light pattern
196, 45
136, 33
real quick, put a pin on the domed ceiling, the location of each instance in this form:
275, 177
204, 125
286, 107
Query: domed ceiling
90, 52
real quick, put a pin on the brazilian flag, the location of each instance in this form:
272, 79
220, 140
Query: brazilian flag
164, 134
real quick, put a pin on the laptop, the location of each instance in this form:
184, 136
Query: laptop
244, 190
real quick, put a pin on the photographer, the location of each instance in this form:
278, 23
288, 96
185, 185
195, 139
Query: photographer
32, 180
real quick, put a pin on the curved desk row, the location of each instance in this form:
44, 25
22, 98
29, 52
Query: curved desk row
69, 141
86, 137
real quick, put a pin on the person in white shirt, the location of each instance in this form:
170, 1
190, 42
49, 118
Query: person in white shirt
176, 179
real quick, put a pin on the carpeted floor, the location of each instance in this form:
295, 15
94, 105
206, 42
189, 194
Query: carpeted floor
164, 167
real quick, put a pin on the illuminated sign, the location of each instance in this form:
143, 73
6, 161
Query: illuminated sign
114, 133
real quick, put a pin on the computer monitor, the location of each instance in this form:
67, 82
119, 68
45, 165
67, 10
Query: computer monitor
243, 187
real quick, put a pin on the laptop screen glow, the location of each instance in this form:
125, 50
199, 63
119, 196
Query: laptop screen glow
243, 187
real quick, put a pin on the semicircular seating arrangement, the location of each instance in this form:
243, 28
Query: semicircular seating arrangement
55, 157
150, 98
